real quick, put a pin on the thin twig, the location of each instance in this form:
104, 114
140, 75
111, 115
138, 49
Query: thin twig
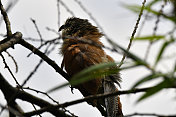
53, 30
155, 29
58, 13
8, 68
37, 91
44, 57
66, 7
89, 14
38, 31
133, 33
46, 42
142, 24
6, 19
13, 59
9, 7
36, 67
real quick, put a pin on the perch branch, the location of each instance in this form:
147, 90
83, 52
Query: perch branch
8, 92
91, 97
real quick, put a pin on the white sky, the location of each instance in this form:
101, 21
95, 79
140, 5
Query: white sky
118, 23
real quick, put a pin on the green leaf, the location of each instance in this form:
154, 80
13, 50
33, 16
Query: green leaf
134, 8
147, 78
96, 71
163, 48
171, 18
129, 67
166, 83
137, 8
150, 38
92, 72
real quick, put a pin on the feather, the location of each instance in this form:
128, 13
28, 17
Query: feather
113, 106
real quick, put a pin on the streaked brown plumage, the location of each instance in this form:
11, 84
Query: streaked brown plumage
81, 49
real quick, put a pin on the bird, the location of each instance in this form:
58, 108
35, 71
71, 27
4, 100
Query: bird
81, 49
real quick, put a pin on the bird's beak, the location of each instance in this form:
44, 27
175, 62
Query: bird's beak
61, 28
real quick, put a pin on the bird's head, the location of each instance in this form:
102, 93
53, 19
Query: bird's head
76, 27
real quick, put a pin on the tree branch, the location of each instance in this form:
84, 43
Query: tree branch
9, 91
7, 43
149, 114
91, 97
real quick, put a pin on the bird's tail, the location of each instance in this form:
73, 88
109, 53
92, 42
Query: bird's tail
113, 105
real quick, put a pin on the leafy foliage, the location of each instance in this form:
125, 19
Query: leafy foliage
168, 79
148, 8
166, 83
